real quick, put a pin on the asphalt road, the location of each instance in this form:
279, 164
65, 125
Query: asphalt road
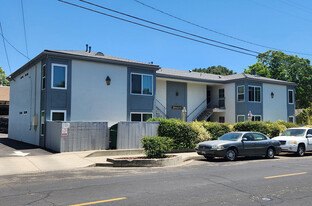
282, 181
12, 148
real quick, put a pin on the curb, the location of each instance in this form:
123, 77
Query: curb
116, 152
163, 162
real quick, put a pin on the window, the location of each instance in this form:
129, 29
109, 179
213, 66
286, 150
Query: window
240, 118
208, 96
254, 93
241, 93
43, 77
139, 117
221, 119
249, 137
141, 84
42, 122
291, 119
59, 76
221, 98
58, 115
290, 96
256, 118
259, 137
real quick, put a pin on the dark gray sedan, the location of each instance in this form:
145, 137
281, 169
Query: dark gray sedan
235, 144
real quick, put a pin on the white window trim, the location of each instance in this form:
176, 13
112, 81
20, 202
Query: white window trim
141, 84
240, 116
257, 116
254, 94
292, 117
141, 113
52, 111
241, 93
52, 76
293, 96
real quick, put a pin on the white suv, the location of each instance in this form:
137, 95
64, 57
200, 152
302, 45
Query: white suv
297, 140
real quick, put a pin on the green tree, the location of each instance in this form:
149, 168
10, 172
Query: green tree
281, 66
220, 70
3, 80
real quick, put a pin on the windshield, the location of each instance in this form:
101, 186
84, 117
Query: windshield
231, 136
294, 132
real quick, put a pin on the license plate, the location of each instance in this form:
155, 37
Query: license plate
203, 152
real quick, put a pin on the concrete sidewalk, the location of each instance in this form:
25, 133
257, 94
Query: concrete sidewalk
67, 161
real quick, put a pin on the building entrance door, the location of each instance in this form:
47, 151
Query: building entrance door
176, 99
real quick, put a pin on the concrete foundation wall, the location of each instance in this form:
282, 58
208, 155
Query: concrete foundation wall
129, 134
80, 136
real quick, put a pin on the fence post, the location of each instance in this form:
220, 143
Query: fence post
183, 114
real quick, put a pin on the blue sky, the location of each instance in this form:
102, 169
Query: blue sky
50, 24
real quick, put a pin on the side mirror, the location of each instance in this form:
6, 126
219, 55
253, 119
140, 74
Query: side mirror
244, 139
309, 135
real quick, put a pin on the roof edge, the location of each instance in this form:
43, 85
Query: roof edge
33, 61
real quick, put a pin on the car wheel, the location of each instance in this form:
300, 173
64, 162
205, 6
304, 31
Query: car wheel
209, 157
270, 153
301, 150
230, 155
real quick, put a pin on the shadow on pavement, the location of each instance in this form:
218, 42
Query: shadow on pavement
8, 146
17, 145
239, 159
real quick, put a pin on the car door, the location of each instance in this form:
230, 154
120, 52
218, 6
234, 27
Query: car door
262, 143
248, 145
309, 140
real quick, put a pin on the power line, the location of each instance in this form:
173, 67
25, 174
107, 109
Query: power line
214, 31
6, 53
153, 28
167, 27
13, 46
24, 27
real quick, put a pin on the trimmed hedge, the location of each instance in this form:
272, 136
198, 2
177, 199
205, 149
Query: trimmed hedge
203, 134
156, 147
268, 128
216, 129
186, 135
287, 124
183, 135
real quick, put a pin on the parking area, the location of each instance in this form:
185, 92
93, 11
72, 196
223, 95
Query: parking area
13, 148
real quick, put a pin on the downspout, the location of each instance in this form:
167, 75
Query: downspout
30, 119
35, 99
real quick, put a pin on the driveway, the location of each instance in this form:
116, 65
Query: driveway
11, 148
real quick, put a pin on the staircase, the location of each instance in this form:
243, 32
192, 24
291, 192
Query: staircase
205, 114
160, 110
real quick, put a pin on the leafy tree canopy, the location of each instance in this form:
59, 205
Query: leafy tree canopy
220, 70
3, 80
281, 66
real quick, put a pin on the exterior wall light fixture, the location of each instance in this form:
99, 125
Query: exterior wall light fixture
108, 80
272, 95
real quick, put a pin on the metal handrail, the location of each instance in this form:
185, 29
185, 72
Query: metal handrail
164, 108
205, 101
160, 104
164, 114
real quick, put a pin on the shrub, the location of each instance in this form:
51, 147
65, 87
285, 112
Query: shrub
216, 129
155, 119
203, 134
268, 128
156, 147
275, 129
182, 133
287, 124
